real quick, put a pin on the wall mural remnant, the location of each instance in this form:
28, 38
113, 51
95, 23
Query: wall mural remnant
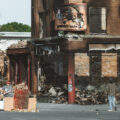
71, 17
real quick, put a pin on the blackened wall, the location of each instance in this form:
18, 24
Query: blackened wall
113, 14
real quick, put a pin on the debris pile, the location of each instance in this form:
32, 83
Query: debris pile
20, 44
94, 94
89, 95
21, 86
86, 97
1, 93
2, 57
57, 95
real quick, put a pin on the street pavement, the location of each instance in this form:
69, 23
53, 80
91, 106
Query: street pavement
73, 107
64, 112
60, 115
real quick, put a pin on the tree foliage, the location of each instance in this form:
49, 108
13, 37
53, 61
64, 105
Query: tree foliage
15, 27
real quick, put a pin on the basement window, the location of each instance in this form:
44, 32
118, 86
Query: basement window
97, 20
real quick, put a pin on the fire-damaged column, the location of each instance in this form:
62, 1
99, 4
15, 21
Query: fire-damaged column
71, 79
34, 74
29, 72
35, 18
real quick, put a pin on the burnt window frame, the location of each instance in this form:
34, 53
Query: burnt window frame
100, 30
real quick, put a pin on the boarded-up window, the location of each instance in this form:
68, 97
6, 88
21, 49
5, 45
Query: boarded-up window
109, 65
82, 64
97, 20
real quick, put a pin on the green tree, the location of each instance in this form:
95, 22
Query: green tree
15, 27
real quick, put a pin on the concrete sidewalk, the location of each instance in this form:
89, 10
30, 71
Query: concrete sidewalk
73, 107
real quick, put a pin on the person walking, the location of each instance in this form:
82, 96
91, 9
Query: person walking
111, 91
8, 90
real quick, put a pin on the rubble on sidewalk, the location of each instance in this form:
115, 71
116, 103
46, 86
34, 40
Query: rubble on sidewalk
94, 94
89, 95
57, 95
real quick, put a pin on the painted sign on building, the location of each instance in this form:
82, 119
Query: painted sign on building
71, 17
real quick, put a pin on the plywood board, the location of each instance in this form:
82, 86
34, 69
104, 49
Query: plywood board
8, 103
32, 105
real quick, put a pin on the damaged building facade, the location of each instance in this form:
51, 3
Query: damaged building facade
74, 49
7, 39
89, 49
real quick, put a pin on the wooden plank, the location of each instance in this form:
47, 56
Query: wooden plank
34, 74
75, 45
29, 61
17, 51
35, 19
40, 6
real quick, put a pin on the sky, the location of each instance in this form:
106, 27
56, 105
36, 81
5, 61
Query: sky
15, 11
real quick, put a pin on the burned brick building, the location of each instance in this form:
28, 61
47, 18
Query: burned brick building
88, 37
75, 43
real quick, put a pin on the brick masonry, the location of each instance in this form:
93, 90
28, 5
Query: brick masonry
113, 14
112, 7
93, 69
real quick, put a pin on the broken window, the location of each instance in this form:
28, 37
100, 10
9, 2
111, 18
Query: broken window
44, 18
42, 25
97, 20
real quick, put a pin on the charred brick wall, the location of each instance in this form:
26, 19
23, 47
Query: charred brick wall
112, 15
96, 69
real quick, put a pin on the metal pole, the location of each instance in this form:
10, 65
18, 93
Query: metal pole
71, 79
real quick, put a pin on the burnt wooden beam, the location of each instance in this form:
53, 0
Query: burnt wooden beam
29, 69
76, 45
17, 51
34, 74
35, 18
